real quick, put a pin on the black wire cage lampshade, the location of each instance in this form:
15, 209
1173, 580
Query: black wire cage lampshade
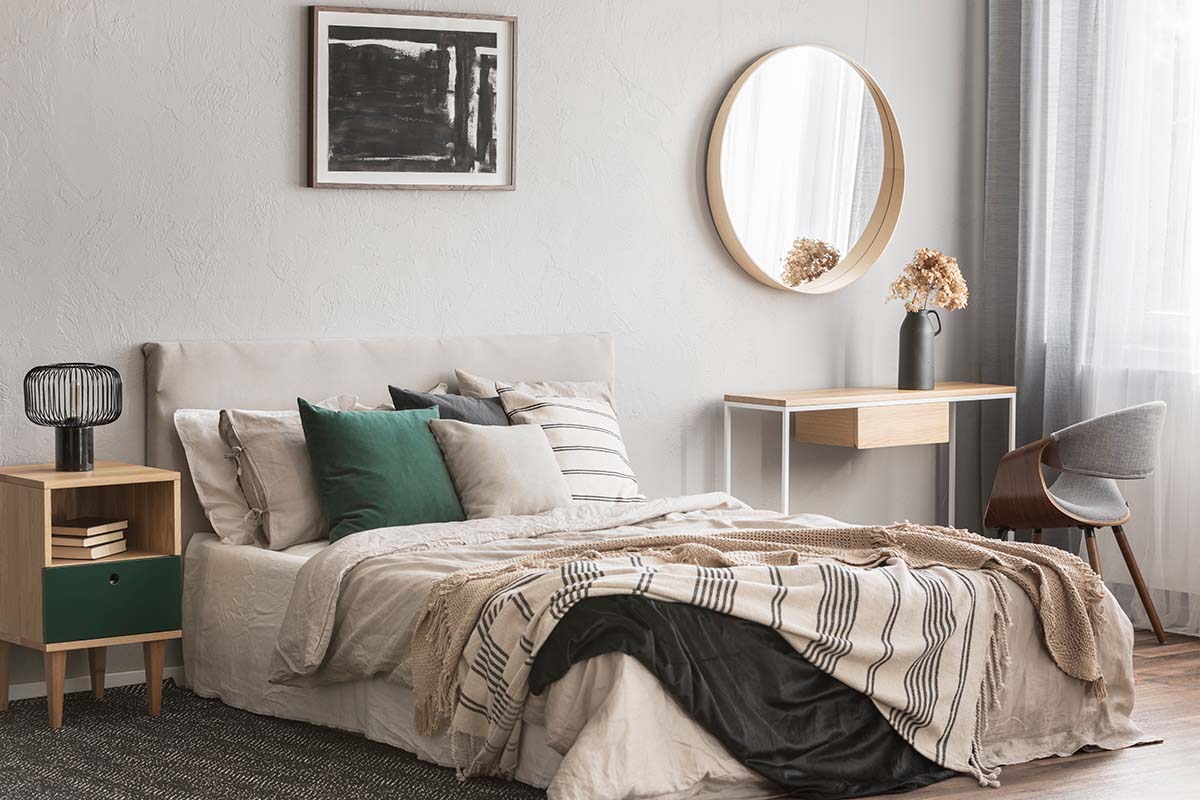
73, 398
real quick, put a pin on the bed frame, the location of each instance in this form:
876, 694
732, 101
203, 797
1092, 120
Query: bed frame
271, 375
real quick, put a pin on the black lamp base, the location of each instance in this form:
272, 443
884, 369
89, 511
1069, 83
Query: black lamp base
73, 450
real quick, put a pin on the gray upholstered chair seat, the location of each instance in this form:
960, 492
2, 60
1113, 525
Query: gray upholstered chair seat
1086, 497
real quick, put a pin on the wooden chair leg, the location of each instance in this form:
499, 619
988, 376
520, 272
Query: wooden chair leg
1036, 538
1139, 583
1089, 536
152, 653
56, 674
3, 676
97, 661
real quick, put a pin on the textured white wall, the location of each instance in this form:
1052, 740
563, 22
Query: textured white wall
152, 162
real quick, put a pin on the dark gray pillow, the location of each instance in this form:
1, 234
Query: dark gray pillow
474, 410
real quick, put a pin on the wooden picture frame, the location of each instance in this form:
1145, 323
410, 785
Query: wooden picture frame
452, 75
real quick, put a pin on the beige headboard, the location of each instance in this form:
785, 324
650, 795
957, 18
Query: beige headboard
271, 375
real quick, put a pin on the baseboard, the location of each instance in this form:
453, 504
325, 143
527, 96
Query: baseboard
23, 691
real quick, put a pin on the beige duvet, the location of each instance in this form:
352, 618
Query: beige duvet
355, 605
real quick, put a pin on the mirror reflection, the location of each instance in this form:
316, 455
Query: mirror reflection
802, 160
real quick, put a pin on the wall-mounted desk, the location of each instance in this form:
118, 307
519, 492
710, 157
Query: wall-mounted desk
867, 418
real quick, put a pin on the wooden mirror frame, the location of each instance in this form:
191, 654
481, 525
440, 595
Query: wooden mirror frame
881, 224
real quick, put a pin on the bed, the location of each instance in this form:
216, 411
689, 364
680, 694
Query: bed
606, 729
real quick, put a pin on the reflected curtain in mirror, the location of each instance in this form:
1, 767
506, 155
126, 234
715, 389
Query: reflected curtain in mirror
805, 148
800, 154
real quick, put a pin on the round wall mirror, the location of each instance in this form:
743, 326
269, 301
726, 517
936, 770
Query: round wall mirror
805, 170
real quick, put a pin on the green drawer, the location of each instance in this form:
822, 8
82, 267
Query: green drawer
121, 598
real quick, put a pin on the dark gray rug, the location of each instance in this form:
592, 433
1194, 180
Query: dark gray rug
201, 748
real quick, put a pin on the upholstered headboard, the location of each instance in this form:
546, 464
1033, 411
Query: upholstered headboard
271, 375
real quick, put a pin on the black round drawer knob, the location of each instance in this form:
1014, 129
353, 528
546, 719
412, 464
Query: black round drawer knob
114, 579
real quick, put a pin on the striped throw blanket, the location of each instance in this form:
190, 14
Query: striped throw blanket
873, 607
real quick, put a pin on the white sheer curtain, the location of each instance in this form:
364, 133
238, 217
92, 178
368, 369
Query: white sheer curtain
1143, 339
1092, 251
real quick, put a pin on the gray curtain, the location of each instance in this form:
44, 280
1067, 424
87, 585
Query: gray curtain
868, 169
1044, 144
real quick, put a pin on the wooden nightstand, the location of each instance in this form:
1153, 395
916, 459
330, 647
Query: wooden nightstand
56, 605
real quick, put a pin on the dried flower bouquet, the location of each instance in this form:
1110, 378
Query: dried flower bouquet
808, 260
931, 278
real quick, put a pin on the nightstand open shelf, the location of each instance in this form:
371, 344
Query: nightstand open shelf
56, 605
130, 554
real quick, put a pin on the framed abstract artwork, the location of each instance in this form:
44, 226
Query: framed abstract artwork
411, 99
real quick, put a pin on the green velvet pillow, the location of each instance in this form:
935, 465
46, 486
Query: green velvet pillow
375, 469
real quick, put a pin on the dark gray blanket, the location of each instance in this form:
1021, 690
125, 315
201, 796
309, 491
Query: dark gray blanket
776, 713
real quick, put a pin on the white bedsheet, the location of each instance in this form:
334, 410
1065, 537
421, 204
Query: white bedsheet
630, 739
233, 602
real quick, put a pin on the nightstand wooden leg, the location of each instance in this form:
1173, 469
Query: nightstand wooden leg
153, 653
97, 660
3, 676
56, 673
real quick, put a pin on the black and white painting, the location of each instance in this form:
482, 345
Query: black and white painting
411, 99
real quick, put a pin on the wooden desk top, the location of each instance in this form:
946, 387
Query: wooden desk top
949, 390
106, 473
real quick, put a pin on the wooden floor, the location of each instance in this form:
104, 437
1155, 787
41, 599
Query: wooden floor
1167, 706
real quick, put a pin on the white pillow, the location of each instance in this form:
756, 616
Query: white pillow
500, 470
475, 386
585, 439
214, 475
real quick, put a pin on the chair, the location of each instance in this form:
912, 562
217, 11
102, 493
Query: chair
1091, 457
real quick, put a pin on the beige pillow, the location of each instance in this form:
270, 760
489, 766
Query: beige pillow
501, 470
585, 439
275, 474
215, 476
475, 386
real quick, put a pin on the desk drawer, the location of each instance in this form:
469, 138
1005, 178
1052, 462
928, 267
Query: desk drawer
119, 598
876, 426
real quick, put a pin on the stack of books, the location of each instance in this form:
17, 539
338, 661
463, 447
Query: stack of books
88, 538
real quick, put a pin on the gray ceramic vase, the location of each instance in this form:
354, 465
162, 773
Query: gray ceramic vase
916, 349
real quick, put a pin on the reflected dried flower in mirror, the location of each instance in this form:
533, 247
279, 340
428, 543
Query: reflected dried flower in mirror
808, 260
931, 278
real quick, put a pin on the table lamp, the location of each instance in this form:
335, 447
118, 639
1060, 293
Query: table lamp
73, 398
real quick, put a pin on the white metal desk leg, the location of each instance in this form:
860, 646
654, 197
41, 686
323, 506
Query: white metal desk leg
728, 450
1012, 423
1012, 444
785, 457
951, 471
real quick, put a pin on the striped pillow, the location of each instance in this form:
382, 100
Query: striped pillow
586, 441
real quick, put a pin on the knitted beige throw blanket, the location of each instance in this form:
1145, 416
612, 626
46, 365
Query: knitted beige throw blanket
1065, 592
